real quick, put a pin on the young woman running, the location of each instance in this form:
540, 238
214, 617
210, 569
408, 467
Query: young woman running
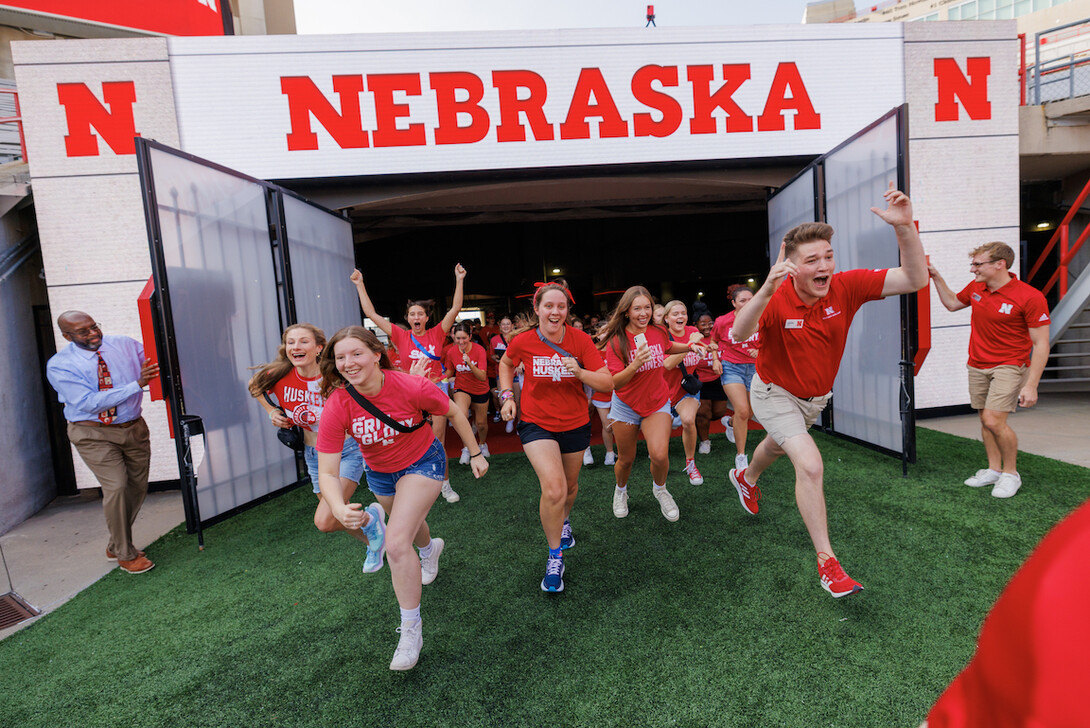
295, 380
420, 342
466, 360
708, 372
682, 401
739, 366
496, 348
554, 425
635, 350
404, 469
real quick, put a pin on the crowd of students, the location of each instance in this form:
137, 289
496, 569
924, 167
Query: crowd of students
645, 369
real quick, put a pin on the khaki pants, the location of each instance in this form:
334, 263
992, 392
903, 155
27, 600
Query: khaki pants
119, 456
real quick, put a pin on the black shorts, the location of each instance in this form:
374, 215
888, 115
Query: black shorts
712, 392
483, 398
576, 440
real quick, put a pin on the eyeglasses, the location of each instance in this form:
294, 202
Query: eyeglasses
81, 333
975, 264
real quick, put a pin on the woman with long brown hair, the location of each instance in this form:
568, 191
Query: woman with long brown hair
683, 402
420, 343
294, 378
466, 360
635, 352
554, 425
385, 410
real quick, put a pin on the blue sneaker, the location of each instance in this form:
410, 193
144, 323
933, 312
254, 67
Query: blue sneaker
554, 575
567, 540
375, 531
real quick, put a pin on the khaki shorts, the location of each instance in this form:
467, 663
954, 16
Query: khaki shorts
781, 413
997, 388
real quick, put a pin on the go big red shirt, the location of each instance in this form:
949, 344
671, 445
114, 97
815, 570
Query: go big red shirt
301, 399
801, 346
552, 397
433, 340
464, 378
647, 391
1001, 320
736, 353
402, 397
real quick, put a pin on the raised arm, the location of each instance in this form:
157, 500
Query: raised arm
456, 305
911, 275
746, 320
368, 307
946, 294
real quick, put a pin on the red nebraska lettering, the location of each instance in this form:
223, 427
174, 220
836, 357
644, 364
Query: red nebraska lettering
462, 117
82, 110
973, 92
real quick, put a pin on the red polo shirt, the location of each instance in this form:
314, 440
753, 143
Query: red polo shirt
801, 346
1001, 322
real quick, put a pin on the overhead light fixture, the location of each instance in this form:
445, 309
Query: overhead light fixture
699, 294
556, 271
750, 280
1044, 225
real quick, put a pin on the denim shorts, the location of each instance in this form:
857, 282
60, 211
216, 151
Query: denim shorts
621, 412
738, 374
432, 464
351, 462
576, 440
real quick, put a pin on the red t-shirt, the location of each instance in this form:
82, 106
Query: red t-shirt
432, 340
464, 378
386, 450
301, 399
552, 398
646, 392
801, 346
1001, 322
1030, 666
704, 370
393, 355
673, 376
728, 349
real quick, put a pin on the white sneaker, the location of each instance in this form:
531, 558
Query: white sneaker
449, 493
510, 427
408, 646
620, 502
1007, 485
704, 447
611, 458
588, 457
984, 476
429, 567
666, 503
728, 423
741, 462
484, 450
464, 459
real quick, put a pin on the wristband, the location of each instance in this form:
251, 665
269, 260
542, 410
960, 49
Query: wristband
506, 395
478, 453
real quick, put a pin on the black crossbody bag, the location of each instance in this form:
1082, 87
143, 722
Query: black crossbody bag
689, 382
390, 421
291, 436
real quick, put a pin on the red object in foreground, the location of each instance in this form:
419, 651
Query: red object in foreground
147, 335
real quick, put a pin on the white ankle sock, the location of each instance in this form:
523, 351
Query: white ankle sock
425, 551
408, 616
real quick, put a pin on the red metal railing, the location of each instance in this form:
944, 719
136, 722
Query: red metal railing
17, 119
1067, 251
1022, 68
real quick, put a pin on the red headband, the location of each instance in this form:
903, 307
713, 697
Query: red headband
540, 284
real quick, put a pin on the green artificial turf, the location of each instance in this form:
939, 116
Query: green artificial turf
716, 620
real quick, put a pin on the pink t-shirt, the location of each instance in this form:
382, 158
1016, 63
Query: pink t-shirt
405, 398
646, 392
301, 399
433, 340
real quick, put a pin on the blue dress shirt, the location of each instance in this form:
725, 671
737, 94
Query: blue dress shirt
73, 372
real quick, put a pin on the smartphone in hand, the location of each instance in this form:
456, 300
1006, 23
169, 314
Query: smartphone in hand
641, 340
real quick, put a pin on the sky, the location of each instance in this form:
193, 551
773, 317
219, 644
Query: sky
395, 16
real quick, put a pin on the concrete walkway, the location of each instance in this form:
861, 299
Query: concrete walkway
59, 552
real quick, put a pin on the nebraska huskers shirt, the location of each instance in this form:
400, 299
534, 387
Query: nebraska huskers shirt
301, 399
552, 397
405, 398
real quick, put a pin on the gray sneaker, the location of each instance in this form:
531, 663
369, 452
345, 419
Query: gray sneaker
449, 494
429, 567
408, 646
620, 502
375, 531
984, 476
666, 504
1007, 485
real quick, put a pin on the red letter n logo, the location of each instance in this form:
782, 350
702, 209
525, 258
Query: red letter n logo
972, 92
82, 110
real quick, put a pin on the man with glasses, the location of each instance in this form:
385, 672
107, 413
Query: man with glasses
100, 380
1008, 349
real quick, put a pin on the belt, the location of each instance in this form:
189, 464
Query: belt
93, 423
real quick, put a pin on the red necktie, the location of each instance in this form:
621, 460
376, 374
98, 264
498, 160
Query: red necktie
104, 383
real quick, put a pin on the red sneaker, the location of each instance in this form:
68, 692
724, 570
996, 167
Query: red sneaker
747, 494
835, 581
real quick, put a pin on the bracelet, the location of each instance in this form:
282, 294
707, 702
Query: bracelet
506, 395
478, 453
